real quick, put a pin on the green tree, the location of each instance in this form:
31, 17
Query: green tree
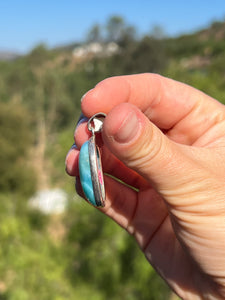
107, 259
15, 141
95, 34
39, 55
147, 55
115, 28
158, 32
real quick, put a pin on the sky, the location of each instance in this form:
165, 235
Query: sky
25, 23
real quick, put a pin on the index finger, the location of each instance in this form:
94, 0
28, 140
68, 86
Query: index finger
166, 102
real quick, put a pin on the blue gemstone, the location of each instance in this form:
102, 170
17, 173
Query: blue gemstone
85, 174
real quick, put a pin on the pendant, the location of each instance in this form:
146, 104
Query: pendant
90, 166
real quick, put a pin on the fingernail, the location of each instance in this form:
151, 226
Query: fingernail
74, 146
128, 129
81, 120
85, 95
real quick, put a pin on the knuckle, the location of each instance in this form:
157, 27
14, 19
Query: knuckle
148, 150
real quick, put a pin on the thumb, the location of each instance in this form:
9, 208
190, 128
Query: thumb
140, 145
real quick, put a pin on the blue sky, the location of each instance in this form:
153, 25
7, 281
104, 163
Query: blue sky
25, 23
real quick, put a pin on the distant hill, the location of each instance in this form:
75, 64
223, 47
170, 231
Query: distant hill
67, 47
7, 55
215, 31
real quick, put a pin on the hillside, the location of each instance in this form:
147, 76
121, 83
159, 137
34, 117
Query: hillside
8, 56
216, 31
49, 83
39, 106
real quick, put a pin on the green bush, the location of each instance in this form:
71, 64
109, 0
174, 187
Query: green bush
15, 142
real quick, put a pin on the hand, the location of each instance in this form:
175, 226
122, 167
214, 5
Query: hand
167, 140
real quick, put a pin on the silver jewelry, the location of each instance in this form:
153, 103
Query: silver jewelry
90, 166
95, 125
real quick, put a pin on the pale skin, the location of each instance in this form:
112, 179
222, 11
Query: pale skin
167, 140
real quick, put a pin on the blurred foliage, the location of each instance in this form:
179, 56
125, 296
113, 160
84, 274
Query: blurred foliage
146, 55
15, 140
80, 254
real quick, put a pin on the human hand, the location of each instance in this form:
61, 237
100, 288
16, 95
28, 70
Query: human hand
165, 139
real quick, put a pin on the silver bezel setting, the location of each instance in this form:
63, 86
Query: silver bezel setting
96, 172
95, 125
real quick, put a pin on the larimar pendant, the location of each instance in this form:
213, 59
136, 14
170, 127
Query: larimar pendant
90, 166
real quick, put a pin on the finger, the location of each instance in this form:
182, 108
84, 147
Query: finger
139, 213
71, 161
111, 166
141, 146
114, 167
169, 104
144, 215
81, 134
120, 201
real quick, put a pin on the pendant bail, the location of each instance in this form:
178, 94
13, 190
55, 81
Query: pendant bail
95, 123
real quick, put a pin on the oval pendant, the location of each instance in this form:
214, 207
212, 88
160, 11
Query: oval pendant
85, 174
91, 174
